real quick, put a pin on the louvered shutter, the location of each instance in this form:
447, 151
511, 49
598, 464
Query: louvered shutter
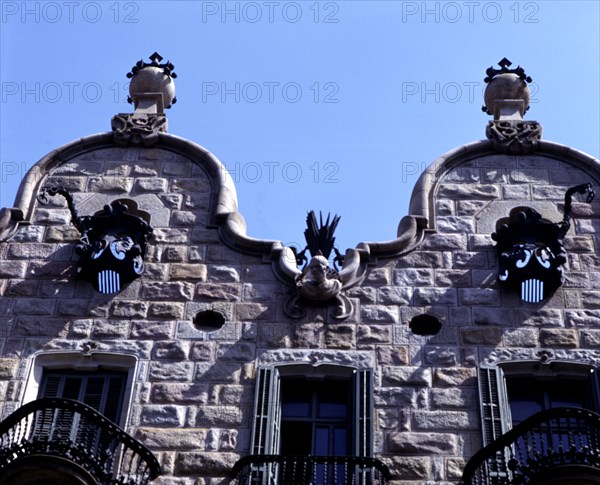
495, 416
363, 412
495, 411
101, 390
267, 417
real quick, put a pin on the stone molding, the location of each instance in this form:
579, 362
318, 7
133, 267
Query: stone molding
423, 198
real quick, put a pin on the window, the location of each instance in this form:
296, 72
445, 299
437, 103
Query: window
513, 392
101, 380
316, 411
101, 390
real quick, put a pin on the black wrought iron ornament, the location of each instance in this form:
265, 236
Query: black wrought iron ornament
531, 249
113, 242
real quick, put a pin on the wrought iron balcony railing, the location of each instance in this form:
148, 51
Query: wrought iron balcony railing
74, 431
539, 445
309, 470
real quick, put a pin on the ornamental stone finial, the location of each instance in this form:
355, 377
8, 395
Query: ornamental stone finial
151, 91
507, 95
507, 98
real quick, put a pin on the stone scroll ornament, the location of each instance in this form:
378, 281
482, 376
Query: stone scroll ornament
531, 251
318, 284
113, 242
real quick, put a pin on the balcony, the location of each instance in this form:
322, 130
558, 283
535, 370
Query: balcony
55, 440
558, 446
309, 470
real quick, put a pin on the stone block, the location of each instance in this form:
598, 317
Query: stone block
340, 336
559, 337
171, 236
441, 356
420, 259
129, 309
177, 393
454, 278
223, 274
493, 316
219, 416
413, 277
145, 169
144, 329
30, 251
174, 439
468, 191
379, 314
222, 373
480, 296
183, 218
436, 421
408, 468
435, 296
110, 328
202, 351
176, 371
171, 350
163, 416
188, 272
214, 291
166, 310
199, 464
244, 312
82, 308
402, 397
452, 398
455, 377
151, 185
392, 355
521, 337
120, 185
394, 295
405, 376
172, 291
374, 334
33, 306
174, 254
238, 352
481, 336
379, 276
8, 368
13, 269
436, 444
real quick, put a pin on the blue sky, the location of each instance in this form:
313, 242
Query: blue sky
332, 106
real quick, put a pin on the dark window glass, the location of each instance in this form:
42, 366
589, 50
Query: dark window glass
315, 417
529, 396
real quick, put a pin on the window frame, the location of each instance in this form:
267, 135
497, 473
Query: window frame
95, 361
266, 428
494, 403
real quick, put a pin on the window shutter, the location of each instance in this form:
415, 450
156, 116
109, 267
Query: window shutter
103, 390
267, 409
495, 411
363, 412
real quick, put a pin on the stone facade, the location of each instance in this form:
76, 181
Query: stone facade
192, 400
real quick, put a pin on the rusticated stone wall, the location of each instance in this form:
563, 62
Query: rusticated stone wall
193, 398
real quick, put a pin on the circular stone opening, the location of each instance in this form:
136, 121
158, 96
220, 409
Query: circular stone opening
209, 320
425, 325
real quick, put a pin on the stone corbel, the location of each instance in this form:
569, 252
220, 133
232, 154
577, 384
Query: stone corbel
315, 283
138, 128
